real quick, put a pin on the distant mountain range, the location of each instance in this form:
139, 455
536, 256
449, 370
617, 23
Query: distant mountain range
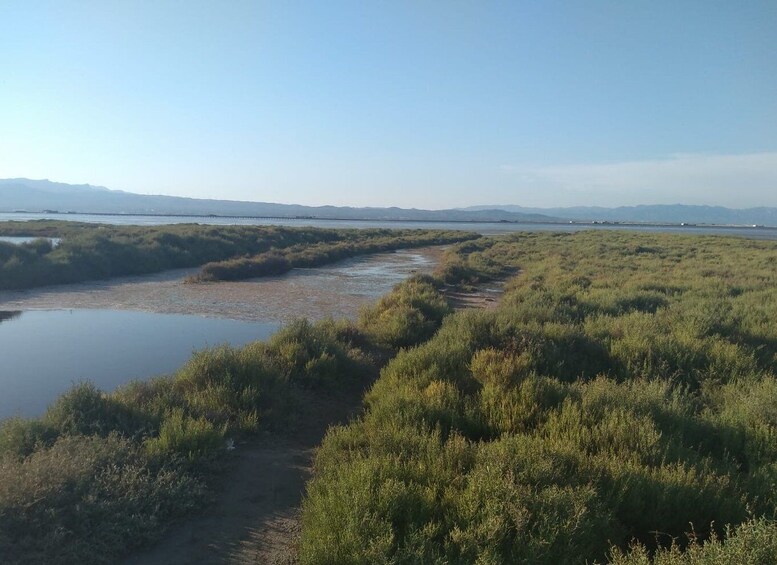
44, 195
655, 213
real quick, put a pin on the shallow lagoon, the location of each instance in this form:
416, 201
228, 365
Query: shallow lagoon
486, 228
111, 332
44, 352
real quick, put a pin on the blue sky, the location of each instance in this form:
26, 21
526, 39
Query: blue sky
424, 104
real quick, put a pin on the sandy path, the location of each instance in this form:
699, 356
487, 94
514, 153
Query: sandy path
255, 523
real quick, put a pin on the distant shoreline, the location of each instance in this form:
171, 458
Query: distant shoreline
607, 223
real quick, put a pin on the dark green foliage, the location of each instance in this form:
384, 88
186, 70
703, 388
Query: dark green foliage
88, 500
267, 264
20, 437
326, 355
84, 410
95, 251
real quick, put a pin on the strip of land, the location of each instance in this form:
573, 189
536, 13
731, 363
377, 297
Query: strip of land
623, 385
95, 251
338, 290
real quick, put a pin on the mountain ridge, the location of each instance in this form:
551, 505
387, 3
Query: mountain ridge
659, 213
20, 194
42, 195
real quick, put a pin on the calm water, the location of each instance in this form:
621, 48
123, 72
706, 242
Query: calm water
16, 240
54, 336
480, 227
44, 352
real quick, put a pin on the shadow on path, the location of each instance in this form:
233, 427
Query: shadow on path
255, 517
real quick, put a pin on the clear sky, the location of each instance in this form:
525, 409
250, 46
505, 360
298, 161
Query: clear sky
379, 103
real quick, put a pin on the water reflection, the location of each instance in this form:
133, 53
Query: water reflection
338, 290
45, 351
9, 315
18, 240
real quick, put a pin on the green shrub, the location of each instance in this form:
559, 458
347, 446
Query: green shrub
191, 437
751, 543
100, 489
20, 437
86, 410
621, 394
322, 355
410, 314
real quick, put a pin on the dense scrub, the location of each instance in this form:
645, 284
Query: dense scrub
621, 396
94, 251
99, 474
352, 243
752, 543
409, 315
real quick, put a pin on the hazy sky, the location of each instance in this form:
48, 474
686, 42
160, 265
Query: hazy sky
418, 103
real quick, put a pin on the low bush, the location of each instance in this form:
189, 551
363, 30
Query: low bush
100, 474
408, 315
95, 251
753, 542
620, 389
349, 243
101, 489
187, 436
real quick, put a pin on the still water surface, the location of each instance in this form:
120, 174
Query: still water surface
114, 331
44, 352
485, 228
17, 240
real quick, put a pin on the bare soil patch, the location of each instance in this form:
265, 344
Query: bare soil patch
483, 296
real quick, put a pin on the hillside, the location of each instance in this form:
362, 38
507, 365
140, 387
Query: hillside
41, 195
659, 213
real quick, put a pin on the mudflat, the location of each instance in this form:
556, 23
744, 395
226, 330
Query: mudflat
338, 290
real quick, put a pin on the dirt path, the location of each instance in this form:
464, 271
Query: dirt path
255, 517
485, 296
255, 523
